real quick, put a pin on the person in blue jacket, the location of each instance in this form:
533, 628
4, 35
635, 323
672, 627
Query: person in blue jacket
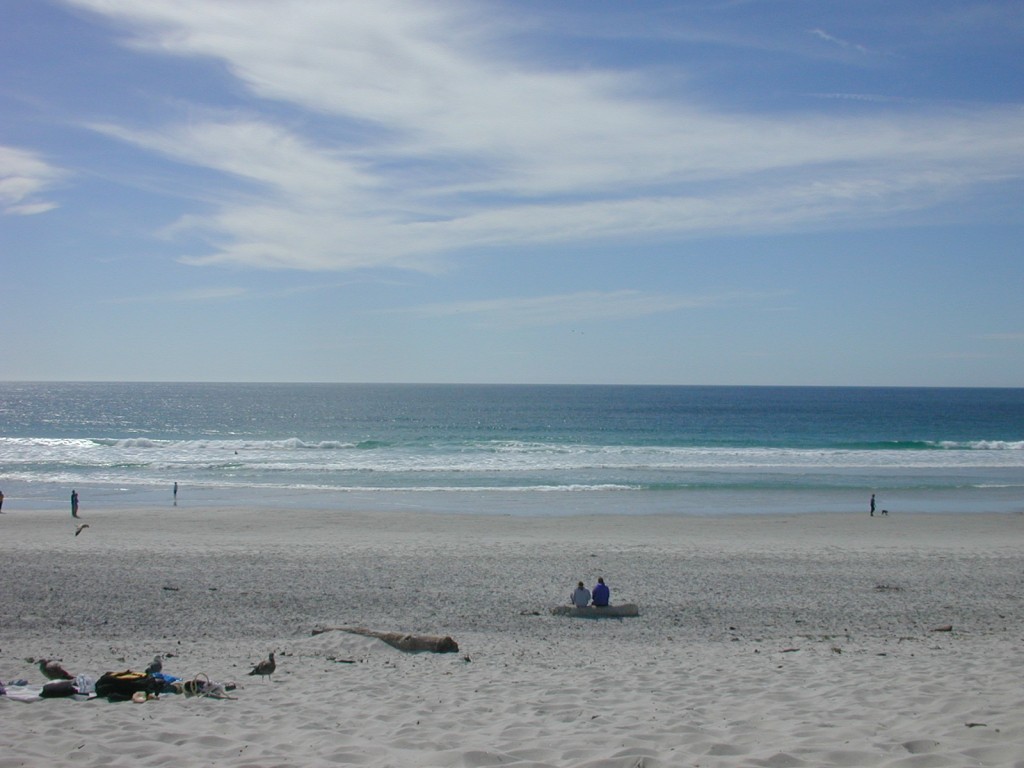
600, 593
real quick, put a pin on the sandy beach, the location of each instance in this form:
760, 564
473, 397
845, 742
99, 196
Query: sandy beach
804, 640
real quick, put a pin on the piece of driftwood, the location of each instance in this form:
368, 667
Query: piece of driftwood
595, 612
402, 640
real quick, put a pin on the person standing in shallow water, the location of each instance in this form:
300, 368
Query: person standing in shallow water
872, 505
74, 503
175, 493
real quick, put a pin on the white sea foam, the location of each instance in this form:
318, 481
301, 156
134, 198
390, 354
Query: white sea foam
293, 455
669, 443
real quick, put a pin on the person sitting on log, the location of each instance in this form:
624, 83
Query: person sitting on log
580, 596
601, 593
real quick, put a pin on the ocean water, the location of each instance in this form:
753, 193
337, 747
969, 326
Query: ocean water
519, 450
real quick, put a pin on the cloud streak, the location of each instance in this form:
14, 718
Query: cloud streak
446, 138
581, 307
828, 38
24, 176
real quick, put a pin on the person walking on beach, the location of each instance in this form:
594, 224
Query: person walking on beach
74, 503
872, 505
580, 596
601, 593
175, 493
1, 501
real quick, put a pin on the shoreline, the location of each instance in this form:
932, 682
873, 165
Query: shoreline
534, 503
168, 526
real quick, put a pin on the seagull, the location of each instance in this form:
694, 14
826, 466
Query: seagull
156, 665
52, 670
265, 668
81, 528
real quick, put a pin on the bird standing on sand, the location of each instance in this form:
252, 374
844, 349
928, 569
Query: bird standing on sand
81, 528
52, 670
156, 665
265, 668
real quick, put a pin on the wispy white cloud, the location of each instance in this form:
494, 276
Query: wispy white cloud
24, 177
212, 294
828, 38
586, 306
448, 138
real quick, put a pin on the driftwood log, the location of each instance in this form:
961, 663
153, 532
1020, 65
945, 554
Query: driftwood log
594, 612
402, 640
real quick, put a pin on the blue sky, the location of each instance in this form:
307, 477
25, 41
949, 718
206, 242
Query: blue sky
716, 192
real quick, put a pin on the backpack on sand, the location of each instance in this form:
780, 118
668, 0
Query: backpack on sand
121, 686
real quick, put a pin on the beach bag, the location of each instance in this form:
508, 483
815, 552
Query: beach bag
121, 686
58, 688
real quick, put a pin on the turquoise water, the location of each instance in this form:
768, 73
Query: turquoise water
513, 449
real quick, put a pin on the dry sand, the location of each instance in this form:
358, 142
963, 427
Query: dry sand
762, 641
